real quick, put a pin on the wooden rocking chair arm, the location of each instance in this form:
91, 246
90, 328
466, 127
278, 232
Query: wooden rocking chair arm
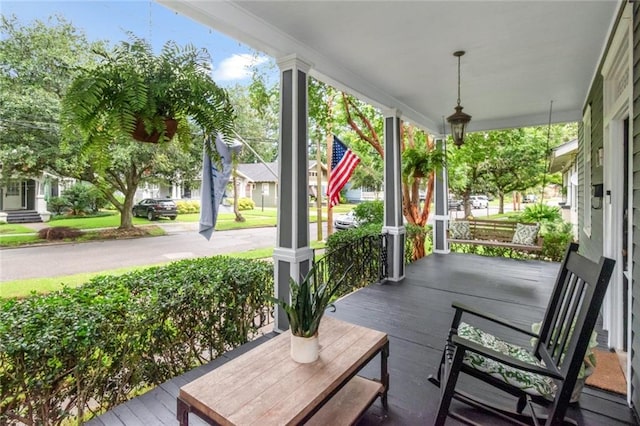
493, 318
468, 345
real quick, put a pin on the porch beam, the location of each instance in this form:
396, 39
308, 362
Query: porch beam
393, 224
292, 255
441, 203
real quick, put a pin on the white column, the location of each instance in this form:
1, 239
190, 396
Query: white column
393, 223
441, 203
292, 256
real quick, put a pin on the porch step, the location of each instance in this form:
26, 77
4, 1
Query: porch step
23, 216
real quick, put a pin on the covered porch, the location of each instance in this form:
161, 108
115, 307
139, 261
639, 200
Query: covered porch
416, 314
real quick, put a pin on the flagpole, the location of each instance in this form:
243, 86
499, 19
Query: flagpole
329, 207
329, 160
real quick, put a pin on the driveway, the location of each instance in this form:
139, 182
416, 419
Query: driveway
182, 241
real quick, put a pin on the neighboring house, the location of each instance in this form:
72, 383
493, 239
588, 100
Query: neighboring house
358, 195
261, 183
564, 159
26, 199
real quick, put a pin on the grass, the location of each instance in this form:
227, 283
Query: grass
14, 228
26, 287
18, 240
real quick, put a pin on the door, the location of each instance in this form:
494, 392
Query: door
13, 195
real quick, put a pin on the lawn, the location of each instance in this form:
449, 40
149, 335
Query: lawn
256, 218
14, 228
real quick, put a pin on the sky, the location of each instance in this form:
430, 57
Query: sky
110, 20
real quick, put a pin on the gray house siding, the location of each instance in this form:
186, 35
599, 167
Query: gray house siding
591, 246
635, 211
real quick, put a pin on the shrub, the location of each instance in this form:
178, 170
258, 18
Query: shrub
557, 237
57, 205
83, 197
542, 213
188, 206
246, 204
89, 348
59, 233
370, 212
363, 255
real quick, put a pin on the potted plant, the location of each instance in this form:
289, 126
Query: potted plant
588, 364
309, 299
131, 91
418, 162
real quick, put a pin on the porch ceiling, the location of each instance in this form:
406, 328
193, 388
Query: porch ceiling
397, 54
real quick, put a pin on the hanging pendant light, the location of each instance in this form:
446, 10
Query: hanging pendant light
458, 119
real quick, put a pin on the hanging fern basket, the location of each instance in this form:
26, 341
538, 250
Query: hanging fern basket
141, 134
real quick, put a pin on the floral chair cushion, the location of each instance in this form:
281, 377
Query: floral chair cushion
525, 234
531, 383
460, 230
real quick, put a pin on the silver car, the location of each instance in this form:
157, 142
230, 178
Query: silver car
346, 221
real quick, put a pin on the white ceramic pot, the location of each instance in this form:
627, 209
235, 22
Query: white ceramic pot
304, 349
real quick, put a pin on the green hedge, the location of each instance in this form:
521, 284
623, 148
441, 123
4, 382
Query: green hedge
82, 350
188, 206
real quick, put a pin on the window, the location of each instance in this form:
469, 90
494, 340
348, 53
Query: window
13, 188
265, 189
586, 161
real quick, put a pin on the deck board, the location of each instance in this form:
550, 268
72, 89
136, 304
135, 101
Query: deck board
416, 314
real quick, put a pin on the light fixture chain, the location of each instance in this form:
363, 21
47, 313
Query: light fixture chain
458, 80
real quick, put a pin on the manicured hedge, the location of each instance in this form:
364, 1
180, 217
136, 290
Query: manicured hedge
82, 350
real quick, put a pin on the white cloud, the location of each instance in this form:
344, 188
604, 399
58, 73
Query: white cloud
237, 67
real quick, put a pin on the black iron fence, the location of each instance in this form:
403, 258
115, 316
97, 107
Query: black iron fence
364, 261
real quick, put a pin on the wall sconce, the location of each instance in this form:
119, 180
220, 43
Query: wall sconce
600, 157
597, 193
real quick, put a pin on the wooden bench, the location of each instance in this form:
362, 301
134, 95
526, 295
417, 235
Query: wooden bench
495, 233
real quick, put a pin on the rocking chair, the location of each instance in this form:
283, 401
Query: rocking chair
545, 376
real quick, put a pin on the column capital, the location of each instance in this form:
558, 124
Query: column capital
391, 112
293, 61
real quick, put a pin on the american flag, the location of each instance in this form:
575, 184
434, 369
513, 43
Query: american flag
343, 162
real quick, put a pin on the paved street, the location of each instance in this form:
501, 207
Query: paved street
182, 241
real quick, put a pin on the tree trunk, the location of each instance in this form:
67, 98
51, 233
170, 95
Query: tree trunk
501, 206
126, 216
418, 246
236, 210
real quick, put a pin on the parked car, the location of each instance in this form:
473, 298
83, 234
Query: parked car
529, 198
153, 208
346, 221
479, 201
455, 204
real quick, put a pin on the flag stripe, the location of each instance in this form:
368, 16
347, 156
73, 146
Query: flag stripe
343, 163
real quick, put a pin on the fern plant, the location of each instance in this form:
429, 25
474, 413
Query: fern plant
130, 86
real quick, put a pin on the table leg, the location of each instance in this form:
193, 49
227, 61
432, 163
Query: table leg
384, 374
183, 412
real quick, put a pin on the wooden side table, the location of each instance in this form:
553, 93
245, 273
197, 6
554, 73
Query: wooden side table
266, 387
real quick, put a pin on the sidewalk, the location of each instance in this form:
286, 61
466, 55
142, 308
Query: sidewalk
168, 227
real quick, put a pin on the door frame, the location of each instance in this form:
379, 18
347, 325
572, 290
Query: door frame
617, 72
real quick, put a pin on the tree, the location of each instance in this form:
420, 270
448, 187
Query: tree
366, 122
37, 63
500, 162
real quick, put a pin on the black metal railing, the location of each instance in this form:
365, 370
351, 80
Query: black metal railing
364, 262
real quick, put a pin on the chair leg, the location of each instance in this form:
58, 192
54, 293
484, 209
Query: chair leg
451, 371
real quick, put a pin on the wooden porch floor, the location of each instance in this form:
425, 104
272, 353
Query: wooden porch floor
416, 314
